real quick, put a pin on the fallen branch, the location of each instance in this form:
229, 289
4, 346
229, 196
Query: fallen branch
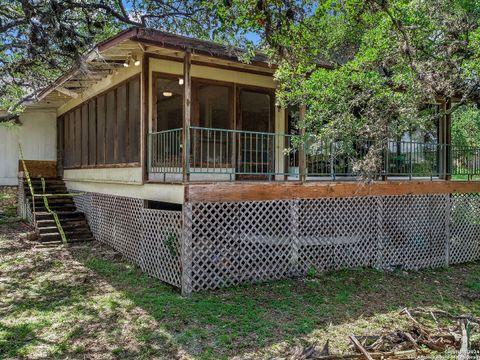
446, 314
421, 329
360, 347
375, 355
463, 353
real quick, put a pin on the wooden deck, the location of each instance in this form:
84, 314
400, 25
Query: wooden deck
254, 191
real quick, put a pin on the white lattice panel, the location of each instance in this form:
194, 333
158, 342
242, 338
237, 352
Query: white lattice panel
337, 233
465, 228
161, 245
149, 238
261, 240
213, 245
415, 231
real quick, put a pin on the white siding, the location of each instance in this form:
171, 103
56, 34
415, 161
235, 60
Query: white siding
37, 134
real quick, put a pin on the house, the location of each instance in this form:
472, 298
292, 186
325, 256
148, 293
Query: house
183, 162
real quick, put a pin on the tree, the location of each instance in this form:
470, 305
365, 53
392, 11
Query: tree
466, 127
368, 68
42, 39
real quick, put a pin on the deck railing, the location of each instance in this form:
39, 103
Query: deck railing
247, 155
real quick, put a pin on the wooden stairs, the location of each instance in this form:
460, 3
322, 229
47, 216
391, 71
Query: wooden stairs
73, 222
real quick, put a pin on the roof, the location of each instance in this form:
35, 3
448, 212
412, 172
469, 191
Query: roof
178, 42
112, 54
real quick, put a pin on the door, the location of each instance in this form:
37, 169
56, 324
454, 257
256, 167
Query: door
256, 141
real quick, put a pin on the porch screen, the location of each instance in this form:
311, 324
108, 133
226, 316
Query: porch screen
169, 103
105, 130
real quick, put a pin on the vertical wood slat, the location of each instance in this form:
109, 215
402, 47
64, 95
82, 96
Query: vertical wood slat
134, 120
78, 137
92, 131
187, 104
122, 126
110, 132
60, 145
85, 134
97, 132
101, 111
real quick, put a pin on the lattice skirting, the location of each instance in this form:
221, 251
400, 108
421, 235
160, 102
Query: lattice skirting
149, 238
212, 245
232, 243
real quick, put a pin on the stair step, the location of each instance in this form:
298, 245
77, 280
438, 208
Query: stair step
48, 243
57, 190
69, 235
69, 228
61, 214
64, 222
53, 199
47, 181
74, 223
55, 207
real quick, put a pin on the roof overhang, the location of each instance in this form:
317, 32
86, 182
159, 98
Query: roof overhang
114, 53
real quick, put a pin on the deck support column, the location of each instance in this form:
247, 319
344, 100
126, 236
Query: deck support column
186, 248
302, 166
448, 140
187, 113
445, 136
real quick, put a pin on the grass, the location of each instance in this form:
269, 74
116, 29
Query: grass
87, 302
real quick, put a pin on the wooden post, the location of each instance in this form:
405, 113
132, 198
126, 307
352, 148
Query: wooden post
186, 246
445, 137
302, 166
187, 113
448, 140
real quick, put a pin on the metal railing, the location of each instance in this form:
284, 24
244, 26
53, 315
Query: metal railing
248, 155
165, 152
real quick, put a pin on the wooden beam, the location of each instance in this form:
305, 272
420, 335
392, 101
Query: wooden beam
187, 112
218, 192
67, 92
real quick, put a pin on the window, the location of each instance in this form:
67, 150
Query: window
104, 130
169, 103
214, 106
255, 111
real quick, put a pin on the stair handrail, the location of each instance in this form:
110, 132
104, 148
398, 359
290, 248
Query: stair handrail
45, 197
53, 213
29, 182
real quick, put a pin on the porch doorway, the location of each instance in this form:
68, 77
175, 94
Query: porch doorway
256, 141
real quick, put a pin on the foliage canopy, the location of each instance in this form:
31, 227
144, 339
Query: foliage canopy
364, 68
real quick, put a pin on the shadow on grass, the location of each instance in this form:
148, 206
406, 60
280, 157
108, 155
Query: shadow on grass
50, 300
242, 319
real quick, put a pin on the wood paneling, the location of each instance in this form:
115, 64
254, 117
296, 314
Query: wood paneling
217, 192
85, 134
134, 120
92, 133
110, 120
121, 147
105, 130
101, 130
77, 150
38, 168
